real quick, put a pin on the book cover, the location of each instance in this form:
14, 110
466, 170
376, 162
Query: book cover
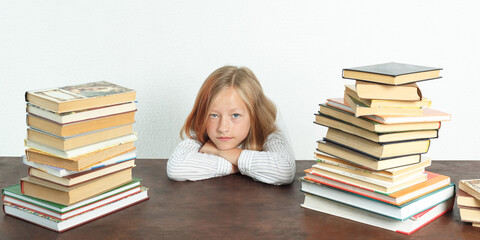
392, 73
79, 97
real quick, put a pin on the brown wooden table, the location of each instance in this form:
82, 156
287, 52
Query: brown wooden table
232, 207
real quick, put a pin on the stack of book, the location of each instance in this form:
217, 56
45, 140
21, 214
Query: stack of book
80, 153
468, 201
370, 165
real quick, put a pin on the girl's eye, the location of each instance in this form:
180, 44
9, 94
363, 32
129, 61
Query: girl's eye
235, 115
213, 115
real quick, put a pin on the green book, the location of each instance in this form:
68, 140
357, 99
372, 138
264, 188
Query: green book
14, 193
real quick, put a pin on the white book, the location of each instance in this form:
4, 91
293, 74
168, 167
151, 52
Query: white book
69, 117
408, 226
62, 172
401, 213
368, 179
74, 212
64, 225
64, 209
81, 150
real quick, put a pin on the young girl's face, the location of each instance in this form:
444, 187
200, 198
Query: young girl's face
228, 123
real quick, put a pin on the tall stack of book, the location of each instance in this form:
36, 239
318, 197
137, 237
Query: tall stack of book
468, 201
80, 152
370, 166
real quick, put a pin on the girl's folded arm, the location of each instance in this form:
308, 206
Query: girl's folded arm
186, 163
274, 165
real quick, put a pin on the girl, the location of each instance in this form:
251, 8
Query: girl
231, 129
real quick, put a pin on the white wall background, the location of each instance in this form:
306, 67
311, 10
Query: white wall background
165, 49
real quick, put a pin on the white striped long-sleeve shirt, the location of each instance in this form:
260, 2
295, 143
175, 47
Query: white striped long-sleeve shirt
275, 164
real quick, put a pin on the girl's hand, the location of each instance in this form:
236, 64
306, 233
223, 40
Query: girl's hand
209, 148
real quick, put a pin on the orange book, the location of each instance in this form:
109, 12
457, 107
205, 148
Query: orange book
434, 182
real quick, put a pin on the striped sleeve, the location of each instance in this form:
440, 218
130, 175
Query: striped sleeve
186, 163
274, 165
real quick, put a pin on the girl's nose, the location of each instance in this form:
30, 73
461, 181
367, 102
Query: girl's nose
223, 125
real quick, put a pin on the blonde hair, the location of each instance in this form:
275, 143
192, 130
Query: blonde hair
261, 109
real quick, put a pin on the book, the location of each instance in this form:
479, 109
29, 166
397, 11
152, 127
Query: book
429, 115
365, 160
374, 126
361, 109
392, 73
467, 200
80, 97
80, 127
397, 212
469, 214
407, 227
372, 184
14, 192
62, 172
377, 150
434, 181
331, 122
470, 186
81, 177
366, 90
81, 115
392, 175
64, 225
351, 90
91, 151
80, 140
52, 192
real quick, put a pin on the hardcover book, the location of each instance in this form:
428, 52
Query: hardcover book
91, 152
81, 177
331, 122
360, 109
79, 97
429, 115
365, 160
56, 193
80, 140
470, 186
392, 73
407, 227
80, 127
397, 212
13, 194
369, 124
62, 172
45, 221
377, 150
82, 115
366, 90
434, 181
351, 90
